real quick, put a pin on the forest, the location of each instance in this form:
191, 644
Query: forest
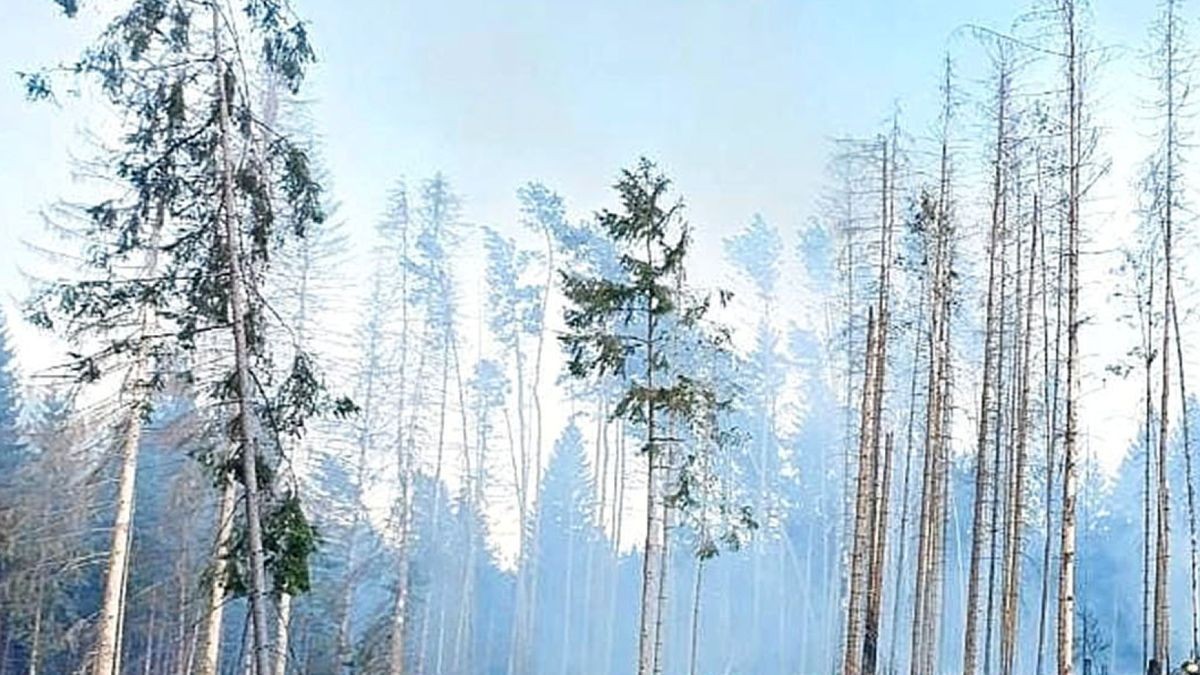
274, 441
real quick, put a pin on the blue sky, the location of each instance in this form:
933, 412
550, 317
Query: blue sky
737, 100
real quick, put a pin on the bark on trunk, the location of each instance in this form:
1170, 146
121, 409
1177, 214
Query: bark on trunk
983, 474
210, 656
931, 522
878, 563
655, 529
112, 605
1066, 579
243, 427
1010, 610
282, 624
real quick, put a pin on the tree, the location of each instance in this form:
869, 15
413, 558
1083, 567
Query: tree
616, 327
1164, 189
12, 448
937, 223
394, 232
40, 576
756, 253
985, 482
514, 316
184, 269
567, 533
1066, 577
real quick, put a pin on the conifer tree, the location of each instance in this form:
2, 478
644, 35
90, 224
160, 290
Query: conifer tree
623, 327
177, 259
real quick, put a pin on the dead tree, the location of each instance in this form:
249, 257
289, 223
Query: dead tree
983, 478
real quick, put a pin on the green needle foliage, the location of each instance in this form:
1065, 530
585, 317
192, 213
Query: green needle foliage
157, 283
648, 329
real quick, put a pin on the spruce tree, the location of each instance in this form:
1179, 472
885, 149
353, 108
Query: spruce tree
176, 258
625, 327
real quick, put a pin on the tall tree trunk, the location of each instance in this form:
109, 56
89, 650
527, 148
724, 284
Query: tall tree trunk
473, 478
618, 511
1160, 660
519, 652
866, 487
1162, 634
398, 644
1000, 446
282, 624
243, 429
210, 657
902, 538
983, 477
664, 565
856, 604
878, 560
652, 566
404, 452
847, 491
1066, 579
655, 527
427, 612
536, 396
107, 660
1145, 310
108, 646
1193, 544
1010, 611
931, 522
1052, 371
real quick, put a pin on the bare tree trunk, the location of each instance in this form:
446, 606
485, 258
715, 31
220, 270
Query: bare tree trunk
536, 396
651, 566
210, 657
943, 512
1010, 611
108, 648
398, 643
983, 477
847, 493
1052, 380
282, 624
404, 452
905, 487
667, 476
112, 607
856, 605
518, 660
866, 488
648, 657
1194, 551
1147, 326
1160, 661
931, 523
618, 511
427, 612
878, 563
473, 477
1162, 634
1066, 579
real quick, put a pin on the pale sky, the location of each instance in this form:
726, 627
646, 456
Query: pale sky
737, 100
